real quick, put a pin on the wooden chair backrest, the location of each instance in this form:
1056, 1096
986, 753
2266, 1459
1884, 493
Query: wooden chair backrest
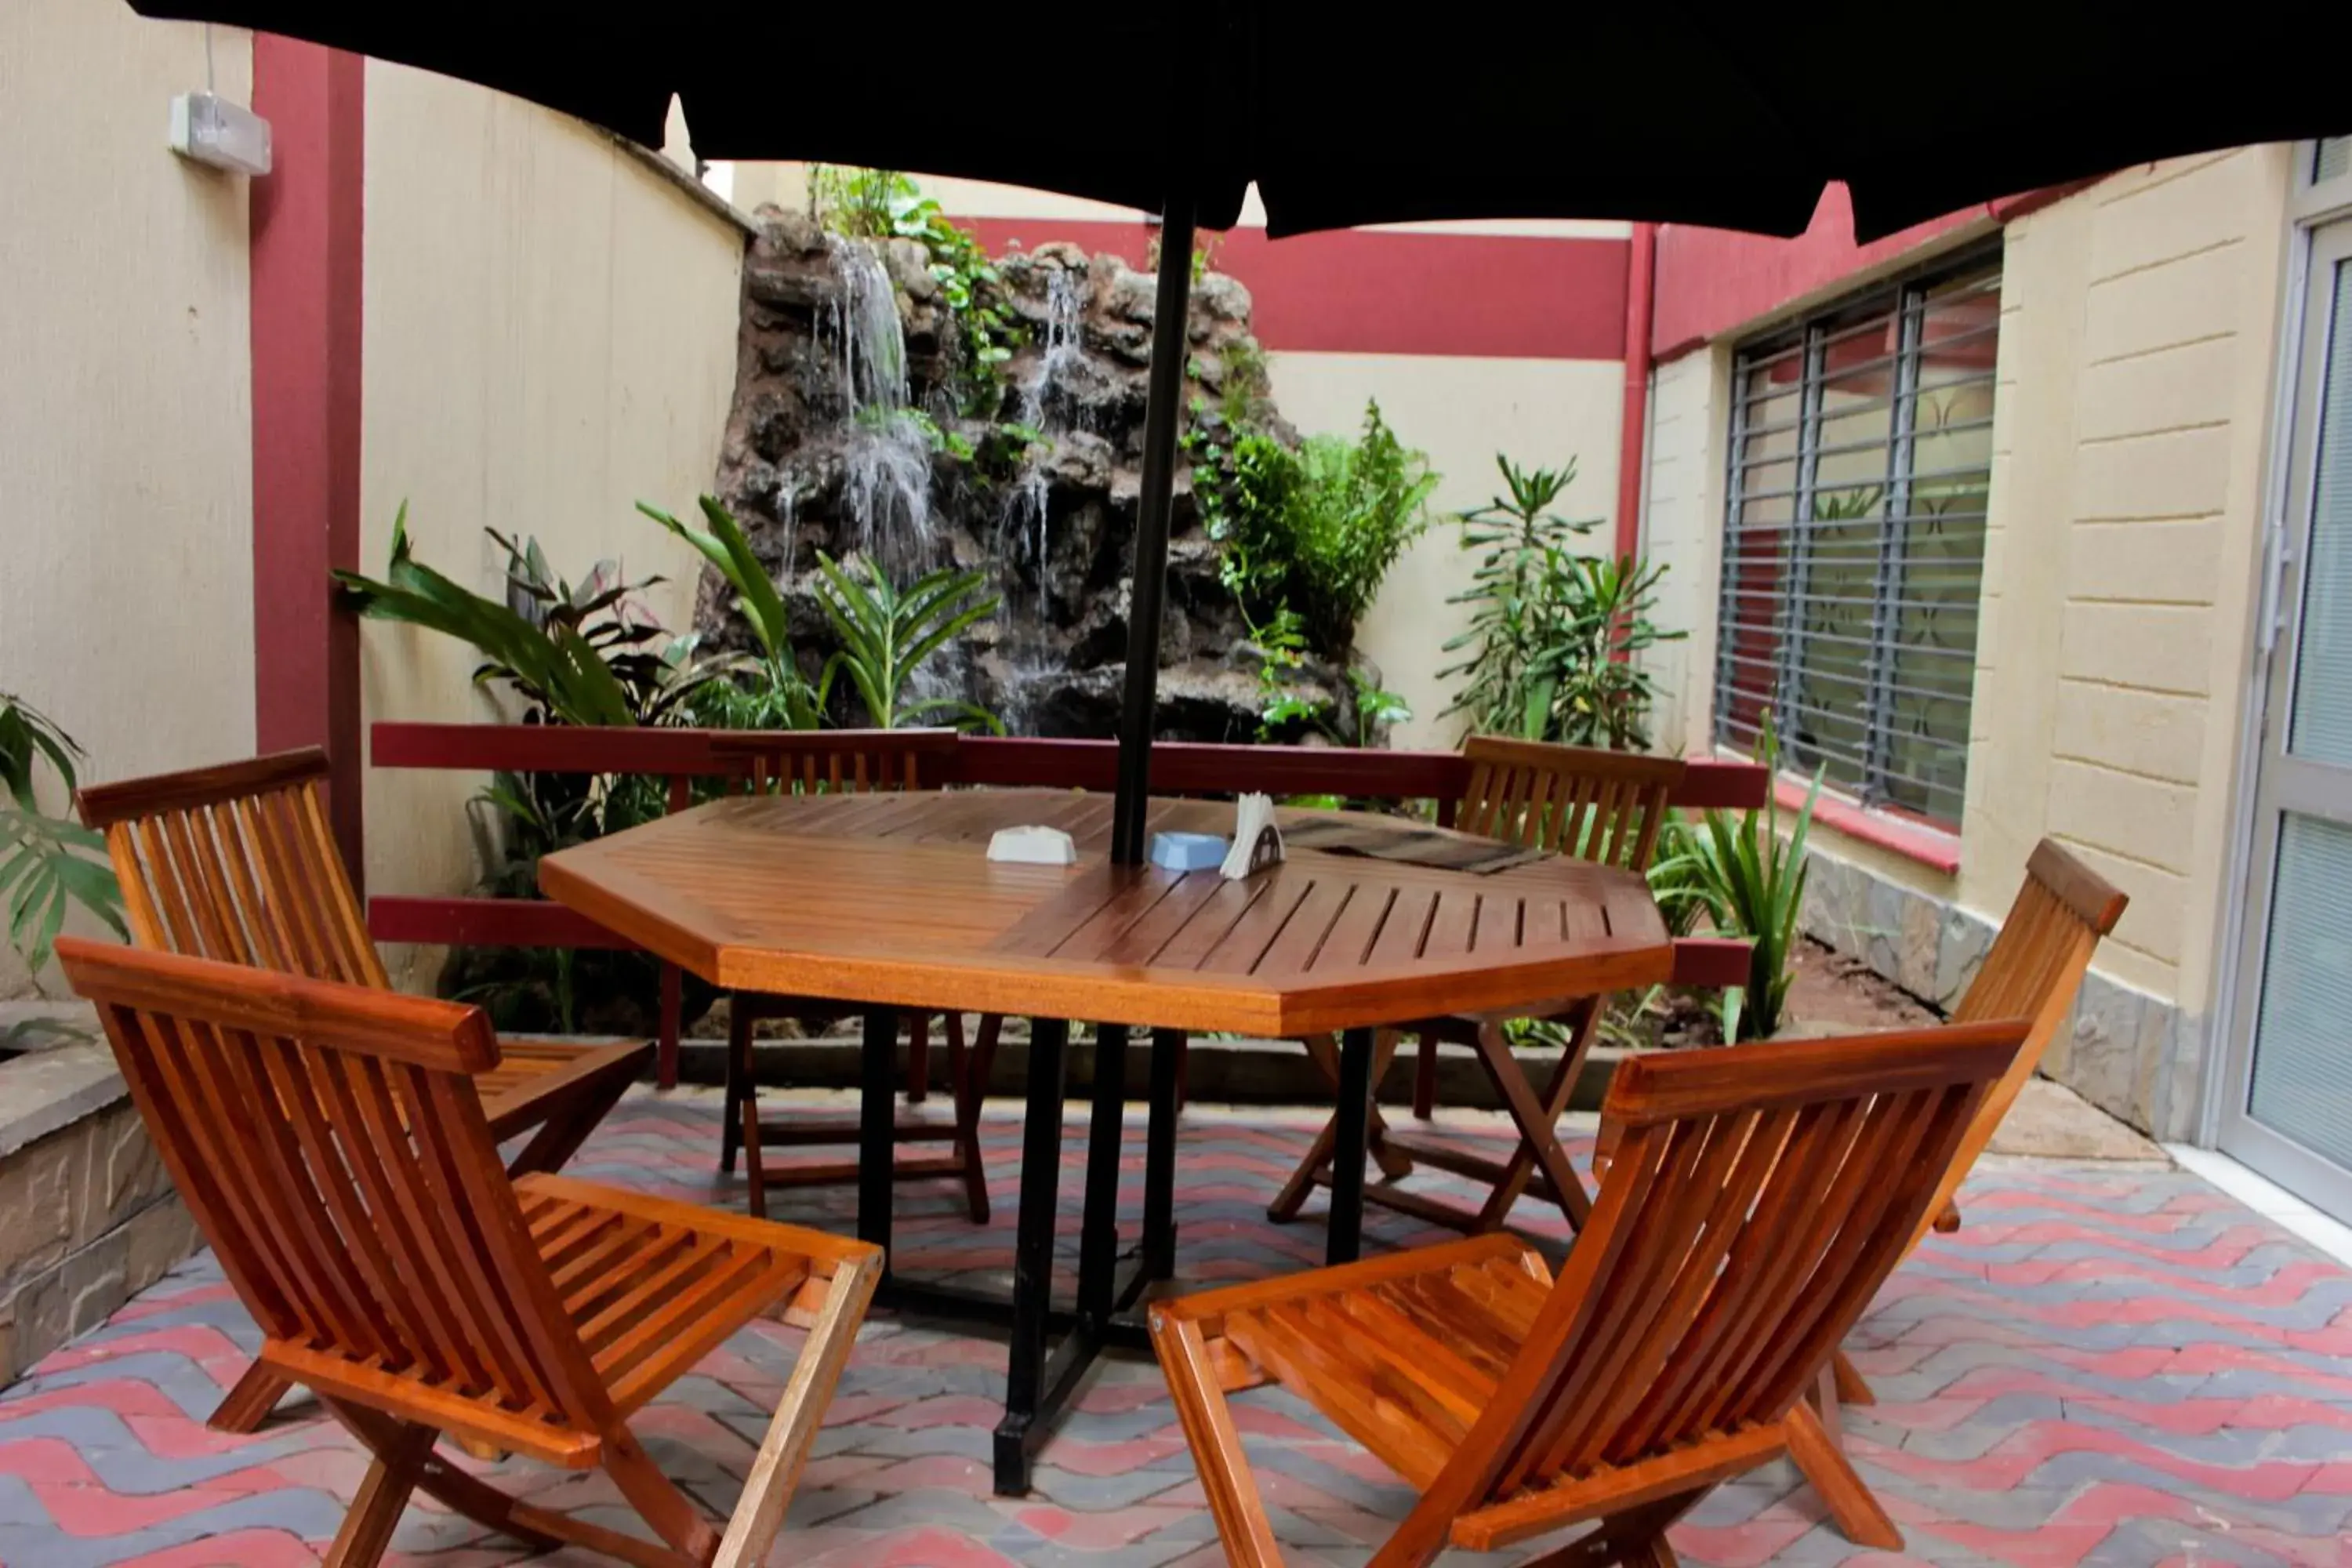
1758, 1197
1603, 807
2032, 971
330, 1143
237, 863
835, 762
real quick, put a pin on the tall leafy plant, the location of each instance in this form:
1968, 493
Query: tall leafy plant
887, 633
1313, 530
574, 655
1553, 635
1751, 882
48, 864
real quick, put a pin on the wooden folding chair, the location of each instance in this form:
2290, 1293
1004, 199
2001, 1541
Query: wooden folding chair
2033, 969
840, 762
332, 1143
1603, 807
1760, 1196
235, 863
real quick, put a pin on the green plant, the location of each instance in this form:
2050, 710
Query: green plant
1553, 632
48, 864
885, 204
1377, 708
783, 698
579, 655
1589, 688
1314, 530
1752, 885
886, 634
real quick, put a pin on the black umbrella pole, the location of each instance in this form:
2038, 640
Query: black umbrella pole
1168, 351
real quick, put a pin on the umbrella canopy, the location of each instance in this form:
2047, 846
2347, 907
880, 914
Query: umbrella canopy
1734, 118
1345, 114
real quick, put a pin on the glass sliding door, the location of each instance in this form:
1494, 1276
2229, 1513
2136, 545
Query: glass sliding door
2289, 1114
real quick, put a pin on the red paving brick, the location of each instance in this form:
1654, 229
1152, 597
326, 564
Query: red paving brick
2115, 1366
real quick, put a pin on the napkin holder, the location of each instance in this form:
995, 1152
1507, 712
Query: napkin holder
1033, 847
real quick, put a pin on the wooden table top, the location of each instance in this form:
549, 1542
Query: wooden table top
890, 899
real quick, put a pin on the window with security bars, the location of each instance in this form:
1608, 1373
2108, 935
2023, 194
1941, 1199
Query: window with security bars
1853, 553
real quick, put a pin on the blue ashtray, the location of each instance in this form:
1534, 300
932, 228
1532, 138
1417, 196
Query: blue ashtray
1188, 851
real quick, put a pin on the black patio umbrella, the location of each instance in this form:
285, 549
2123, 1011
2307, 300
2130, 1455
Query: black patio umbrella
1346, 114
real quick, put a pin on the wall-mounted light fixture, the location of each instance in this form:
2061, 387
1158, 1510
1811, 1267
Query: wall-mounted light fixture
209, 129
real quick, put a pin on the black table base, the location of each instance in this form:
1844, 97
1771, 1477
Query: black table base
1037, 1386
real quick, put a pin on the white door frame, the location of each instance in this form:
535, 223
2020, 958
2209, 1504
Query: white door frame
2322, 240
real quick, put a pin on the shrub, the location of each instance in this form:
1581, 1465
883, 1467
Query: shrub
1313, 530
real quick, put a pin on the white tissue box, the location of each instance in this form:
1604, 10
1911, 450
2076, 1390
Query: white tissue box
1033, 847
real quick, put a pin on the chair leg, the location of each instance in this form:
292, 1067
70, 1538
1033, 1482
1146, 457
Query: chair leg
539, 1530
248, 1404
1393, 1163
1538, 1120
1852, 1388
1636, 1537
383, 1498
657, 1498
1424, 1081
739, 1079
1216, 1444
1845, 1494
1183, 1070
918, 1058
968, 1093
755, 1167
785, 1452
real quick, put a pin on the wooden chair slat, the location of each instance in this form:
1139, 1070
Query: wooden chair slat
1603, 807
1760, 1194
237, 864
331, 1142
870, 763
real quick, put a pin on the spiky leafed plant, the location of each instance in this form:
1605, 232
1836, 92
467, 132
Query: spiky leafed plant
886, 633
1752, 885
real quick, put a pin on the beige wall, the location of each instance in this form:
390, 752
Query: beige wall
551, 329
126, 440
1461, 411
2133, 404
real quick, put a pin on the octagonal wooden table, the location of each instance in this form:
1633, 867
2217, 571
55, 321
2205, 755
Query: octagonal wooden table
888, 901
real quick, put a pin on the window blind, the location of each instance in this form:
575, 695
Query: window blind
1861, 453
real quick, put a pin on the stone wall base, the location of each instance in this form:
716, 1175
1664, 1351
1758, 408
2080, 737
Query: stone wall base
2134, 1055
88, 1214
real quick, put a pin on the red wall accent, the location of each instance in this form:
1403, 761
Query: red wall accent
1382, 291
305, 247
1633, 454
1711, 281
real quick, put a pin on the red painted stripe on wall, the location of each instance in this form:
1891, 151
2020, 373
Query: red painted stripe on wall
304, 231
1379, 292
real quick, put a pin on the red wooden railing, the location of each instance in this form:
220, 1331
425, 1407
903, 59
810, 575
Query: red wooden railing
680, 756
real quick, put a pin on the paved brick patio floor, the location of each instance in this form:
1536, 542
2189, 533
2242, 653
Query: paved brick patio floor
2109, 1365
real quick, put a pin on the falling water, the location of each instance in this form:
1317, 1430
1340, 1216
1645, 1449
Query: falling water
1021, 534
886, 463
1062, 344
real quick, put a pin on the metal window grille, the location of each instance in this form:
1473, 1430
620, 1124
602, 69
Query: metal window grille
1860, 458
2331, 159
